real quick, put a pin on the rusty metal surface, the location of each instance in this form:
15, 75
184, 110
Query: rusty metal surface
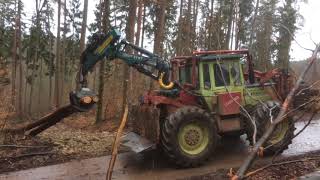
230, 124
229, 103
145, 121
136, 143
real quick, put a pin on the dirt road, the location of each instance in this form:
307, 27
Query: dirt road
153, 166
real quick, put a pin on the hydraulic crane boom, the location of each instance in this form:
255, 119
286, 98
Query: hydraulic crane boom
109, 46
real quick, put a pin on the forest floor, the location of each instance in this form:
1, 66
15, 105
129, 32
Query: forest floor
76, 137
296, 167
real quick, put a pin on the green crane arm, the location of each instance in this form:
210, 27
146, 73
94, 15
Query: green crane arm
109, 46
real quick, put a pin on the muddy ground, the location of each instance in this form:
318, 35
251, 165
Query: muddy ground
77, 137
283, 168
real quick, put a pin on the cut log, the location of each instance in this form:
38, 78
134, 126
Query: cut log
45, 122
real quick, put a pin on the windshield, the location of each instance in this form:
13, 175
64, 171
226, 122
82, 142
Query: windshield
221, 74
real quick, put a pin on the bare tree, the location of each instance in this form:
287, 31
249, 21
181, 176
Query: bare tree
105, 27
130, 37
19, 59
14, 57
159, 27
57, 75
84, 26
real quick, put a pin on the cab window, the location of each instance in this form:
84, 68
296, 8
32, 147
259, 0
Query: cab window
185, 74
235, 74
221, 75
206, 77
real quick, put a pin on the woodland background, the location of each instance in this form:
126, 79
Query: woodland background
41, 55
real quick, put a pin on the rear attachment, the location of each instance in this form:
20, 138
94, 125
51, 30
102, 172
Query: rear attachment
144, 120
137, 143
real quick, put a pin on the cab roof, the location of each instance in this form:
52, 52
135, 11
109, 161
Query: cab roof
211, 56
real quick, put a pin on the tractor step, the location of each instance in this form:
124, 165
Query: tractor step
137, 143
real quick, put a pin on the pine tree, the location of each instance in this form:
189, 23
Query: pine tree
19, 59
58, 67
130, 29
159, 29
7, 16
286, 27
14, 58
36, 45
264, 32
105, 26
243, 23
84, 26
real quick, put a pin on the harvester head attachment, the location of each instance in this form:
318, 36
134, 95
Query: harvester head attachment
83, 100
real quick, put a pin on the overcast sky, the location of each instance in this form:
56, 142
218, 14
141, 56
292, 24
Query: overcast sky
309, 30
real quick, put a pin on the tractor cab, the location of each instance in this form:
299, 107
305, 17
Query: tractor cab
226, 80
216, 75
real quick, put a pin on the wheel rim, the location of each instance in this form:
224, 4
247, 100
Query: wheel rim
193, 138
279, 133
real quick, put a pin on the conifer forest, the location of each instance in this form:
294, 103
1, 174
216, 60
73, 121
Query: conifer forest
219, 85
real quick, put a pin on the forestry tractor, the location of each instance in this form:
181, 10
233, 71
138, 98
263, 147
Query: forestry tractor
201, 97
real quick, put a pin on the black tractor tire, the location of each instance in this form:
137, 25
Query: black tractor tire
175, 125
282, 136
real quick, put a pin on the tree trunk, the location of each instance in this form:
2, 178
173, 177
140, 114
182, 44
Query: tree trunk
194, 23
230, 19
178, 44
51, 61
159, 27
19, 109
40, 84
25, 90
14, 57
211, 27
105, 26
130, 37
63, 67
188, 31
84, 26
139, 22
253, 23
83, 30
35, 60
143, 25
57, 77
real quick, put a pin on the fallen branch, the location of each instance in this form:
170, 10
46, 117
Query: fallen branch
20, 146
279, 164
116, 144
28, 155
248, 161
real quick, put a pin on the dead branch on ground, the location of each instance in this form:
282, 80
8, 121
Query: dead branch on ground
279, 164
248, 161
19, 146
28, 155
